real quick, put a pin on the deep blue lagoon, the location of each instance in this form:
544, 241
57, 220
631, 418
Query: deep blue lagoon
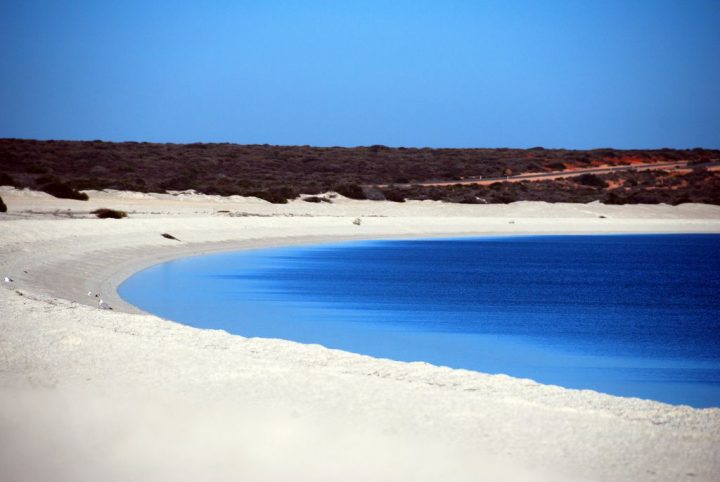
630, 315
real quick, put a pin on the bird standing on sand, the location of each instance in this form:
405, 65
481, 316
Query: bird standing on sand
104, 305
8, 279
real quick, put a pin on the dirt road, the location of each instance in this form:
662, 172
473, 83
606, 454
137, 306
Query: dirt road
556, 174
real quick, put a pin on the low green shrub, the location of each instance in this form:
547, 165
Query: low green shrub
352, 191
316, 199
394, 196
63, 191
105, 213
591, 180
6, 180
271, 196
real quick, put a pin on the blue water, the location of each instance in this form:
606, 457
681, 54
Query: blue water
633, 315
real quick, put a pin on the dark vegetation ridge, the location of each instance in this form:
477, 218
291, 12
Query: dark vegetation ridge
279, 173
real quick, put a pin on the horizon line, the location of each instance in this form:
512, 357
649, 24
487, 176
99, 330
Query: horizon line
359, 146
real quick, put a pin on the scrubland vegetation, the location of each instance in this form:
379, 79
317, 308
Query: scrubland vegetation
280, 173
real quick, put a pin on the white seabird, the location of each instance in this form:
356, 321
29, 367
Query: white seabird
8, 279
104, 305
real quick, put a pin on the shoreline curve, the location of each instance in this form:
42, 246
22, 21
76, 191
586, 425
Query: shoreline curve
59, 350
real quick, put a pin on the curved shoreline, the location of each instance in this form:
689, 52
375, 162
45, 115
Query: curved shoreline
58, 349
232, 308
109, 285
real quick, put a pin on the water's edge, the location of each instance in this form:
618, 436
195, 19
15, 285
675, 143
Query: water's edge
335, 242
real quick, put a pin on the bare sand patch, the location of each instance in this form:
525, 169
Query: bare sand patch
87, 393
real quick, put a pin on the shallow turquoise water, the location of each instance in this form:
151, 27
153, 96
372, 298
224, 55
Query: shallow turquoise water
628, 315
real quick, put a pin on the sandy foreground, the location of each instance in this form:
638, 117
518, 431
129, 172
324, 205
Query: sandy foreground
91, 394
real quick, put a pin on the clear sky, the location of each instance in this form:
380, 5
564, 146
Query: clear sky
444, 73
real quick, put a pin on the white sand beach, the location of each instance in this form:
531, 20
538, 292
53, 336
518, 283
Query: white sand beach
93, 394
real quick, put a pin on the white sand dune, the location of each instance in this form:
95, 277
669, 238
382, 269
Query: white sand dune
91, 394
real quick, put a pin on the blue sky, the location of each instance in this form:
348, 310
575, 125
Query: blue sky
576, 74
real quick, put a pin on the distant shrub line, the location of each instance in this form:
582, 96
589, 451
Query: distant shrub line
277, 174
